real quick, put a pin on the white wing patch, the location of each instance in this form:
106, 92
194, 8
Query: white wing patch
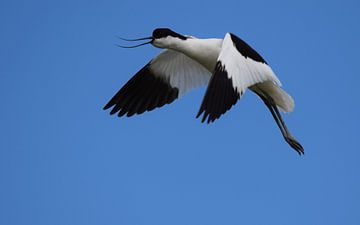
243, 71
179, 70
160, 82
238, 67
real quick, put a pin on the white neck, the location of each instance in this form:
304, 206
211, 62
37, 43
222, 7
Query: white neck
204, 51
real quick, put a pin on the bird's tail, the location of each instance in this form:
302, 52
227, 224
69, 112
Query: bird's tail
282, 99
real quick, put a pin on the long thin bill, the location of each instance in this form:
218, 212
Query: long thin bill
135, 45
139, 39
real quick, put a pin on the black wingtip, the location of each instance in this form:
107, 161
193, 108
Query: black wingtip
107, 106
201, 110
114, 110
220, 95
204, 116
198, 115
143, 92
122, 113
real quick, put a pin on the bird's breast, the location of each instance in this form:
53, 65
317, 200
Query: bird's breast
204, 51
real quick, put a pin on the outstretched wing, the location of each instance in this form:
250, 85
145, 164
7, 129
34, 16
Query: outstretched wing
238, 67
160, 82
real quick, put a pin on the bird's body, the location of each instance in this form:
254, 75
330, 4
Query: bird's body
229, 66
203, 51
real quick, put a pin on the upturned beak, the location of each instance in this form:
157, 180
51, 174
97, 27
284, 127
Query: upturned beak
138, 39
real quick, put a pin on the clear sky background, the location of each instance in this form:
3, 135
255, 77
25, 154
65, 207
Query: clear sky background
63, 160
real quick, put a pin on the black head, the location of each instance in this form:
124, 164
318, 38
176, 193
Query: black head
156, 38
165, 32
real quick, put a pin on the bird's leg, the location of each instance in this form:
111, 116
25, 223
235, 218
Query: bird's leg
270, 104
287, 135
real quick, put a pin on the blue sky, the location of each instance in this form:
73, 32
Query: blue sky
63, 160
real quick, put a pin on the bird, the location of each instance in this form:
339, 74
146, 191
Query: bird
228, 67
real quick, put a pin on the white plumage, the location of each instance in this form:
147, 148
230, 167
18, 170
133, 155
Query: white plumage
181, 71
228, 66
245, 72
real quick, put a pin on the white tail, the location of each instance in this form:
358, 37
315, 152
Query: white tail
282, 99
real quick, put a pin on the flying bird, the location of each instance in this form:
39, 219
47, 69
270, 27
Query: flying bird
228, 67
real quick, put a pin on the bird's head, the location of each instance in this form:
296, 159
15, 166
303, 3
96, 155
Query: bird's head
161, 38
164, 37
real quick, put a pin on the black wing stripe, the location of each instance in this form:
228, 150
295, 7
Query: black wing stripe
220, 95
163, 99
155, 96
246, 50
214, 107
174, 93
140, 105
143, 92
134, 105
150, 93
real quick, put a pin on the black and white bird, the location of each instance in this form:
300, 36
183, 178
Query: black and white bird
228, 66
